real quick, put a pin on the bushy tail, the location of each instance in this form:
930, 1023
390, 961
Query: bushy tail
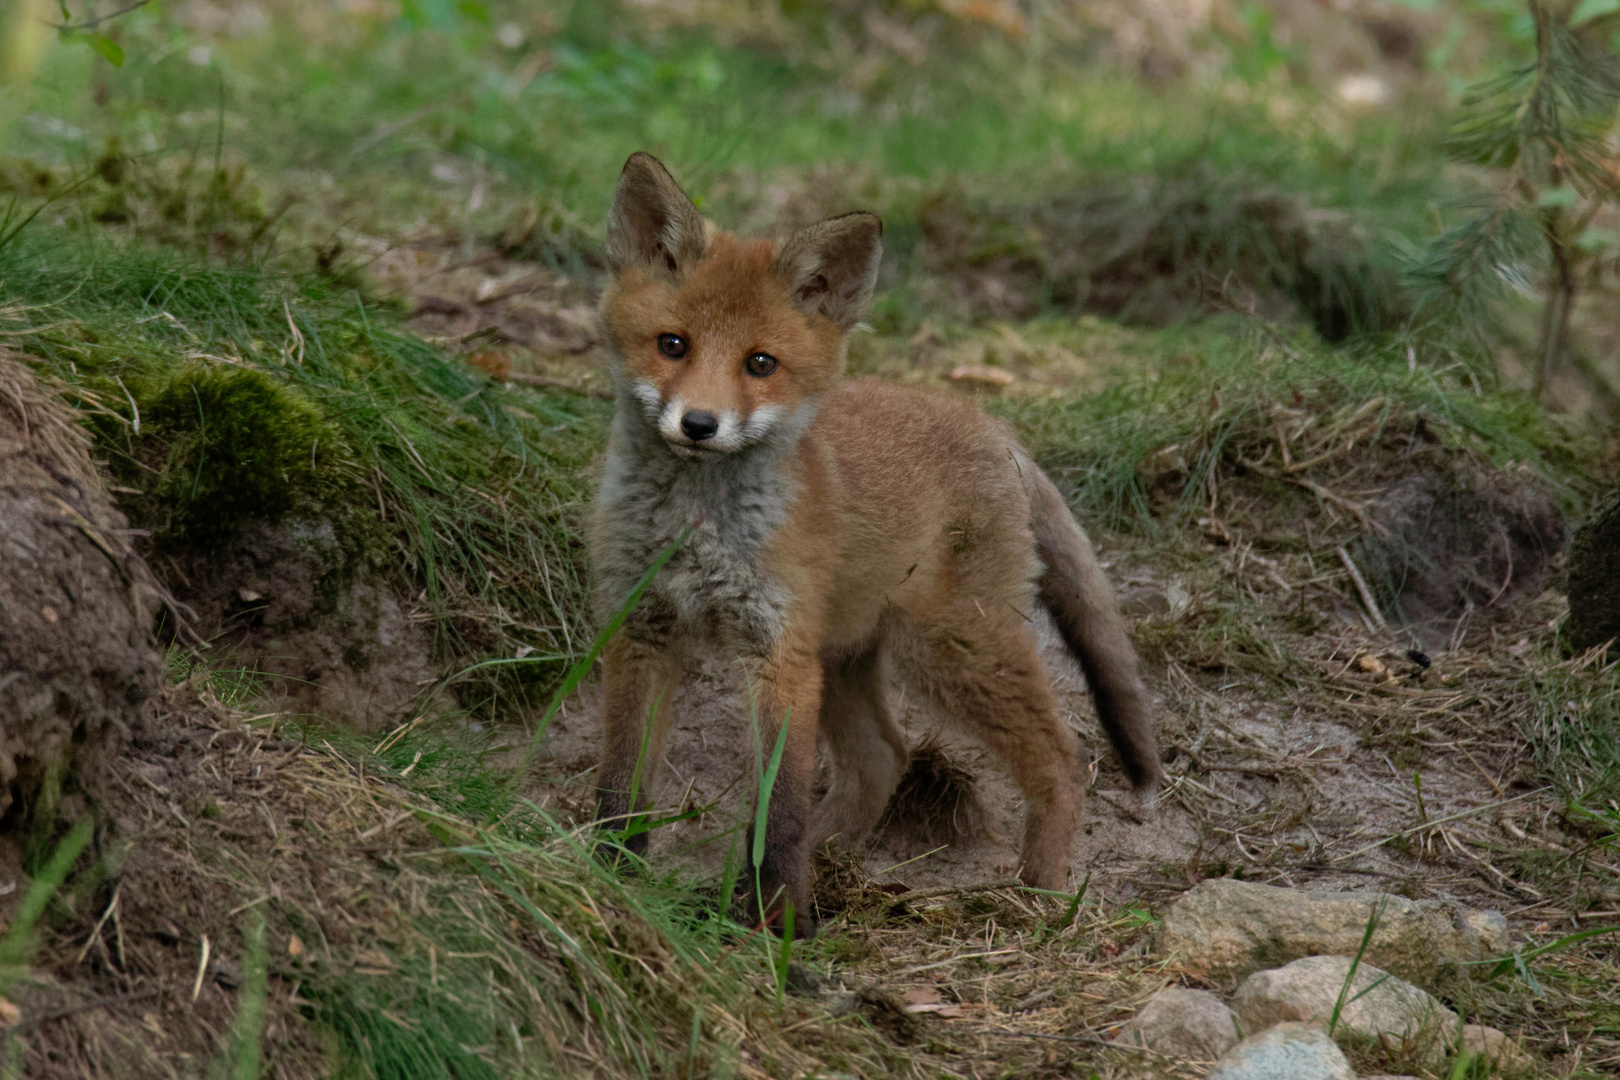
1081, 600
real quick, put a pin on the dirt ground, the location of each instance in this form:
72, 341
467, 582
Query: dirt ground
1365, 772
1300, 789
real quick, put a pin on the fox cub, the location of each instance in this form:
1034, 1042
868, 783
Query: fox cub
843, 528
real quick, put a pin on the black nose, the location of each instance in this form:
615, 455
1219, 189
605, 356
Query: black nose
698, 426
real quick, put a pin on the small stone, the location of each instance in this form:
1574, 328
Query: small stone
841, 1004
1285, 1052
803, 981
1191, 1025
1228, 929
1496, 1047
1377, 1006
1489, 929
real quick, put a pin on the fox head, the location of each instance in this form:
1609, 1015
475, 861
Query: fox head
718, 342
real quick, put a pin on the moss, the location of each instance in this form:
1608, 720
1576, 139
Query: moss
229, 443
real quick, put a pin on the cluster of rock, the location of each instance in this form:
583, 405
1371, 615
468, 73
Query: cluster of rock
1301, 989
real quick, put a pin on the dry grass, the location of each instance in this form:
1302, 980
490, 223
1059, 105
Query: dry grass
411, 940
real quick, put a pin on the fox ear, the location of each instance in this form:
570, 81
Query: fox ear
832, 267
653, 222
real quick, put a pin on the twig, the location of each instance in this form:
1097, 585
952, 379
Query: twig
95, 934
91, 24
84, 1006
1494, 785
1089, 1040
1035, 999
1441, 821
953, 960
958, 890
202, 969
1361, 587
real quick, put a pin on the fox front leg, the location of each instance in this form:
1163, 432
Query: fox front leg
787, 691
635, 696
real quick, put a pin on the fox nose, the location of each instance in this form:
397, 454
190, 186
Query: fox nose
698, 425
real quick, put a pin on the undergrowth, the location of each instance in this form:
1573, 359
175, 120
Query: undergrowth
196, 278
219, 395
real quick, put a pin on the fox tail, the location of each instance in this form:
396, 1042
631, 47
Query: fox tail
1081, 600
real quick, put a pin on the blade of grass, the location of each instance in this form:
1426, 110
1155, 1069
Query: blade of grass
1355, 965
728, 885
641, 764
251, 1012
763, 808
18, 946
784, 957
1520, 961
582, 668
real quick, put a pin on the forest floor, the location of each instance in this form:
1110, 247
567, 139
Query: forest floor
350, 850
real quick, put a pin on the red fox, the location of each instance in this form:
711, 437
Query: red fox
846, 528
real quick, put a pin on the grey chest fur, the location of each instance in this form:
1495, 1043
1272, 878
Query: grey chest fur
714, 587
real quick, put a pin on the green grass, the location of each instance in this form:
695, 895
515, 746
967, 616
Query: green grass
382, 130
1210, 389
257, 394
198, 279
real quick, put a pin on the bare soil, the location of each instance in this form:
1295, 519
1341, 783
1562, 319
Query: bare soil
76, 608
1296, 788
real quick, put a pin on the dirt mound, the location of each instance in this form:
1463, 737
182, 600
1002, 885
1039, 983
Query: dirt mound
299, 903
1428, 529
1594, 578
1455, 536
1158, 251
288, 601
76, 608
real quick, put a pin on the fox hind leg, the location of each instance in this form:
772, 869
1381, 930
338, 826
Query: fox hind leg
990, 680
867, 749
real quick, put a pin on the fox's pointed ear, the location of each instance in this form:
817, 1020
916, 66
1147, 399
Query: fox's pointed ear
653, 222
832, 267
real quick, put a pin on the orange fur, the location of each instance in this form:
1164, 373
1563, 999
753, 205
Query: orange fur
841, 526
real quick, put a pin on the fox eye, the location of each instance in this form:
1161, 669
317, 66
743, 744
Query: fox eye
760, 364
673, 346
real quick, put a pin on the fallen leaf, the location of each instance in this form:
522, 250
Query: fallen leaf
980, 373
492, 362
294, 946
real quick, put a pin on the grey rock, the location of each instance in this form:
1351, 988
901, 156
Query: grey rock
1377, 1006
1228, 929
1285, 1052
1192, 1025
